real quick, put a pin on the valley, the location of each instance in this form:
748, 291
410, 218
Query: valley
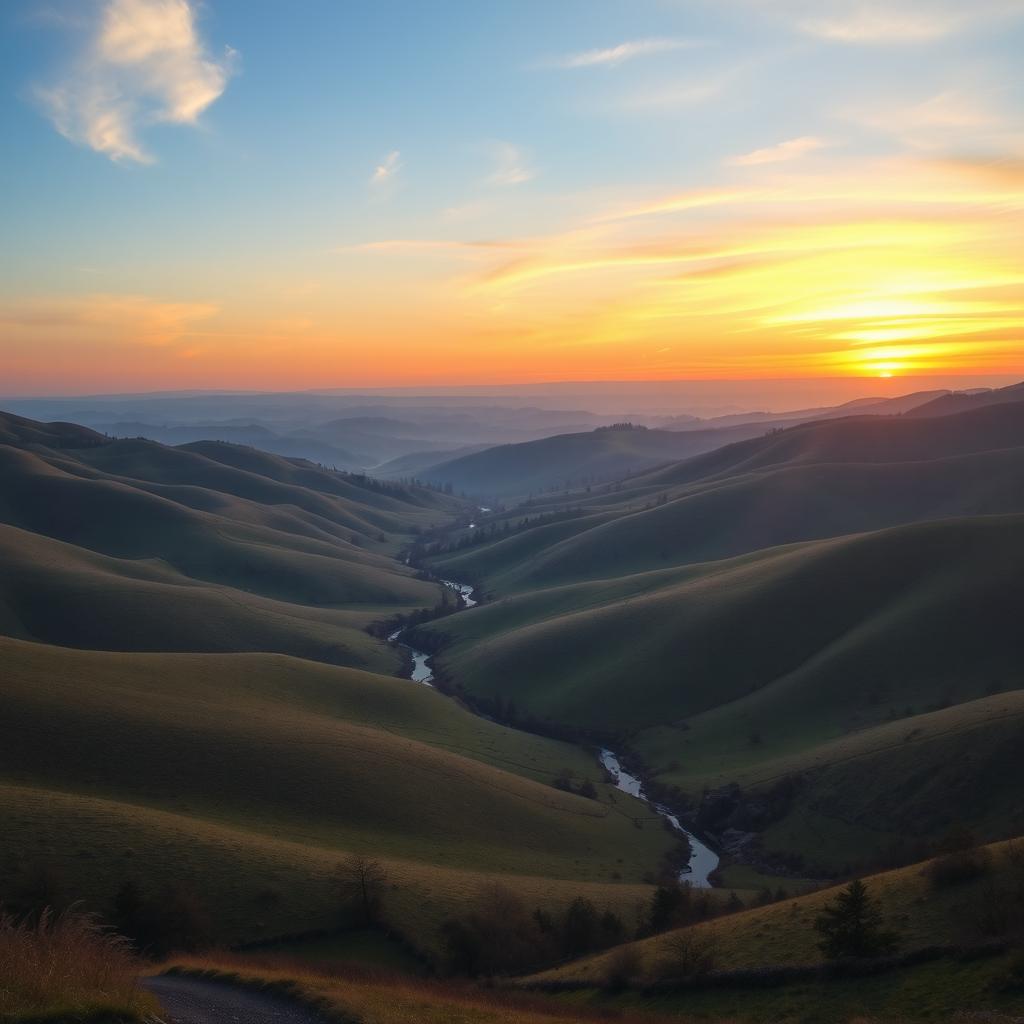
755, 670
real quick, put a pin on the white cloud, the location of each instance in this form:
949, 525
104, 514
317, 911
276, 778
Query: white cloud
791, 149
142, 63
614, 55
386, 170
510, 165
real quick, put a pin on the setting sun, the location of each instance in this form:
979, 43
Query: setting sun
867, 226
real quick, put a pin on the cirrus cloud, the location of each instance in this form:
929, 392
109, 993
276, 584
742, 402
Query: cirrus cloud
611, 56
791, 149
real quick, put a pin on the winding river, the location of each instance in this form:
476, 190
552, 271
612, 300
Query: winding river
703, 860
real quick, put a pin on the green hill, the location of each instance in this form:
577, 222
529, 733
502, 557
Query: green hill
171, 621
131, 545
977, 919
270, 769
748, 669
574, 460
811, 482
875, 615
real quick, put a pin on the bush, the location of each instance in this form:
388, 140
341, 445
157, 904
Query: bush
957, 867
689, 954
622, 968
174, 922
500, 936
65, 965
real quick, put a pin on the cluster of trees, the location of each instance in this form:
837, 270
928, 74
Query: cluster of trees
567, 782
157, 922
501, 935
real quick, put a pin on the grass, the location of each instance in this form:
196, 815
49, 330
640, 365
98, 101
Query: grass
220, 770
949, 989
782, 934
66, 969
570, 460
131, 545
891, 626
804, 484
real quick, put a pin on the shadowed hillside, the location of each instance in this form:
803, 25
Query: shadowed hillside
130, 545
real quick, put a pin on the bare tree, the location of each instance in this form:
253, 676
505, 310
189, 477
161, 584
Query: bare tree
360, 882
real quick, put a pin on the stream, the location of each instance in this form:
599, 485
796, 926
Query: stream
703, 860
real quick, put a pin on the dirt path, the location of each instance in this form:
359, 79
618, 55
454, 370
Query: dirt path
198, 1001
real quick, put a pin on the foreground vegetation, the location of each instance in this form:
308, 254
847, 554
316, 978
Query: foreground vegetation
67, 968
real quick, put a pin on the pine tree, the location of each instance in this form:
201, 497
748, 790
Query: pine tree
851, 926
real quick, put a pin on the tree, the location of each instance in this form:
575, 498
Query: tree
360, 882
851, 926
686, 954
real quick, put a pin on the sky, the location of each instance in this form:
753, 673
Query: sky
339, 193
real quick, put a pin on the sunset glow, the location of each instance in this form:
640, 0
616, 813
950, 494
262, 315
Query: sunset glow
642, 193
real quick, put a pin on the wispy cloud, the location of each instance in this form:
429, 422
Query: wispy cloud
387, 169
510, 165
135, 319
950, 120
142, 62
889, 22
612, 56
791, 149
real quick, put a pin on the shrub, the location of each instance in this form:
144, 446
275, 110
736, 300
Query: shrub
957, 867
174, 922
622, 968
65, 965
688, 954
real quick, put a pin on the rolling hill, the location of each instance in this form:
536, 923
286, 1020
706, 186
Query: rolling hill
131, 545
976, 921
240, 775
173, 621
570, 461
749, 615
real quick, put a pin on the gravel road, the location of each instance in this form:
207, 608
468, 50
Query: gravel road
198, 1001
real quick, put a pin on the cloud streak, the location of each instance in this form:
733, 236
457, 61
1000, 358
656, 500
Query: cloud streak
889, 22
142, 63
510, 165
612, 56
387, 169
791, 149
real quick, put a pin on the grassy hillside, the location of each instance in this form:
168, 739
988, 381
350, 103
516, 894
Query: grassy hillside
978, 916
573, 460
131, 545
253, 766
920, 912
945, 405
814, 481
753, 510
850, 644
852, 627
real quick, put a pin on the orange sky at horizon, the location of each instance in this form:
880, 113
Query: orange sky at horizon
910, 268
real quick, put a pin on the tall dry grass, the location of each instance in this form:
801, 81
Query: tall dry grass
66, 964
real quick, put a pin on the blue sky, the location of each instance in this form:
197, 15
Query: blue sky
173, 165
